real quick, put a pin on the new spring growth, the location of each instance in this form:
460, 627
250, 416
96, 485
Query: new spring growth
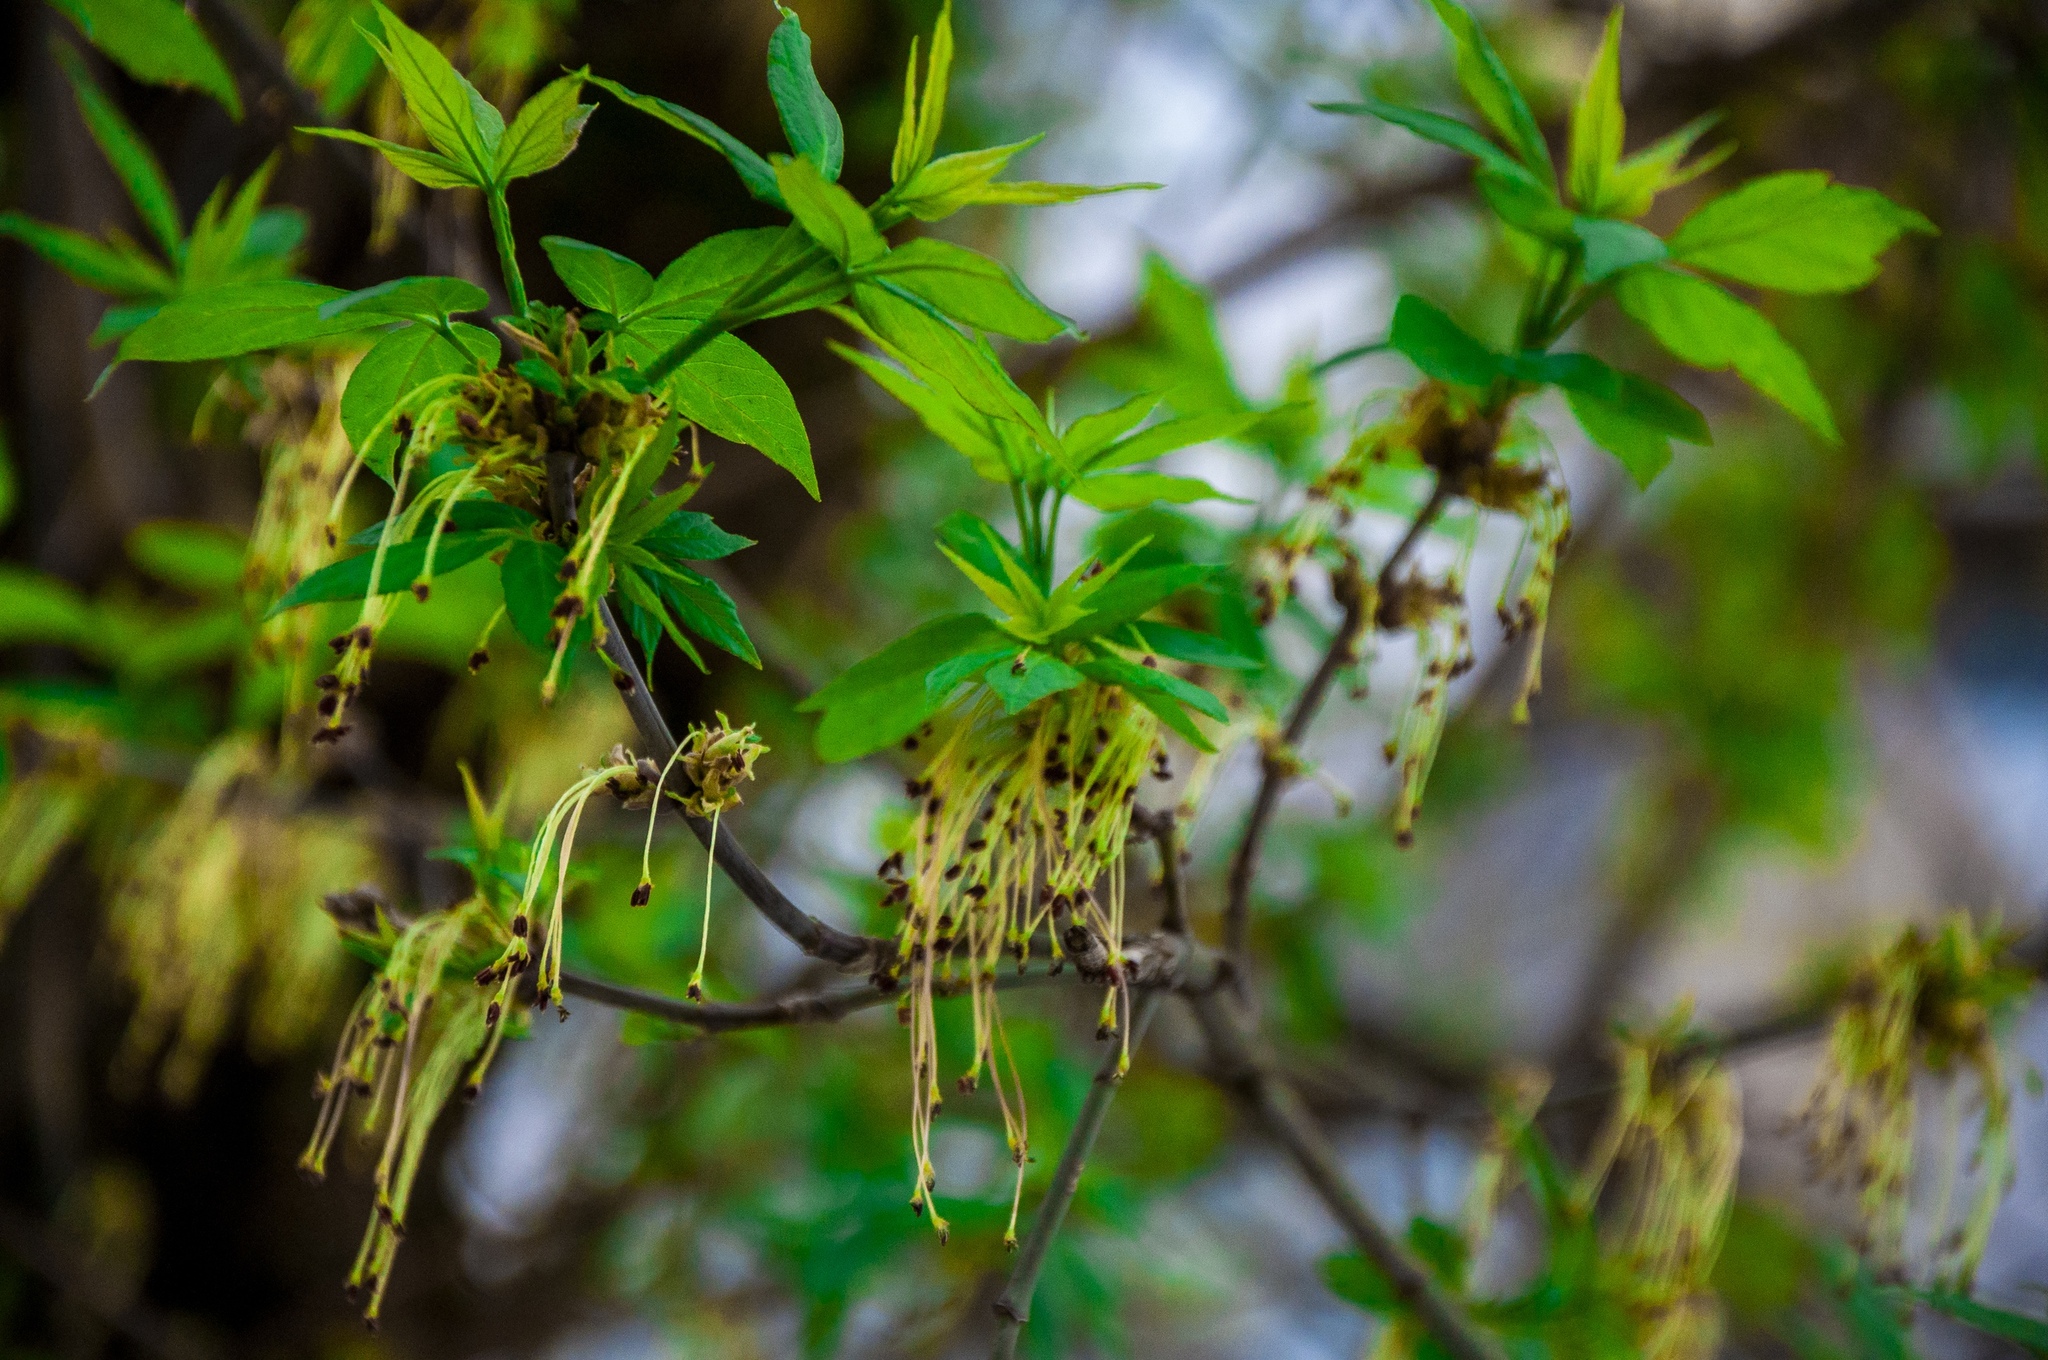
420, 1029
1021, 825
715, 762
490, 435
1672, 1142
1926, 1002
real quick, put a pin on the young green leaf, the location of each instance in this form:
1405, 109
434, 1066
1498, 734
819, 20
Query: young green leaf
913, 333
963, 428
1709, 328
736, 394
458, 120
712, 273
1633, 185
1129, 490
1151, 679
706, 610
203, 559
530, 577
1796, 232
686, 536
945, 186
119, 268
808, 118
834, 219
1131, 595
1197, 649
601, 279
238, 318
37, 608
1610, 247
225, 244
326, 50
1486, 82
397, 366
1022, 682
908, 160
648, 617
1598, 122
1439, 346
883, 699
2028, 1332
134, 163
429, 168
158, 43
422, 297
1435, 127
545, 129
1168, 435
1649, 402
753, 169
971, 288
349, 579
1642, 450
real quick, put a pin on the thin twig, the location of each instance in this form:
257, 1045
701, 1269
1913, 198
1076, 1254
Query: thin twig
802, 1008
1013, 1305
1275, 765
657, 741
1247, 1067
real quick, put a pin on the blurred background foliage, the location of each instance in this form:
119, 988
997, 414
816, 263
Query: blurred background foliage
1796, 695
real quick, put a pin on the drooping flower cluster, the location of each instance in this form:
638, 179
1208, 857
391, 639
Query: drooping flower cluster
225, 889
1674, 1136
1021, 825
1927, 1002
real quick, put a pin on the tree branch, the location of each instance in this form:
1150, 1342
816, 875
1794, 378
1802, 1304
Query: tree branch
1246, 1066
1276, 764
1013, 1305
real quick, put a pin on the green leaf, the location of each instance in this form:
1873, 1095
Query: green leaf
37, 608
1598, 123
1168, 435
1129, 490
599, 278
687, 536
942, 187
649, 618
158, 43
713, 271
915, 335
1487, 83
1636, 182
203, 559
545, 130
325, 49
733, 392
1795, 232
754, 171
1649, 402
1091, 434
707, 611
943, 679
1132, 595
973, 540
1709, 328
420, 297
1435, 127
397, 366
881, 700
1197, 649
2030, 1332
1151, 679
1527, 207
808, 118
971, 288
1643, 450
349, 579
236, 240
1442, 1249
1612, 247
952, 420
530, 578
832, 216
458, 120
237, 318
429, 168
473, 513
917, 137
1022, 682
1439, 346
119, 268
133, 162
